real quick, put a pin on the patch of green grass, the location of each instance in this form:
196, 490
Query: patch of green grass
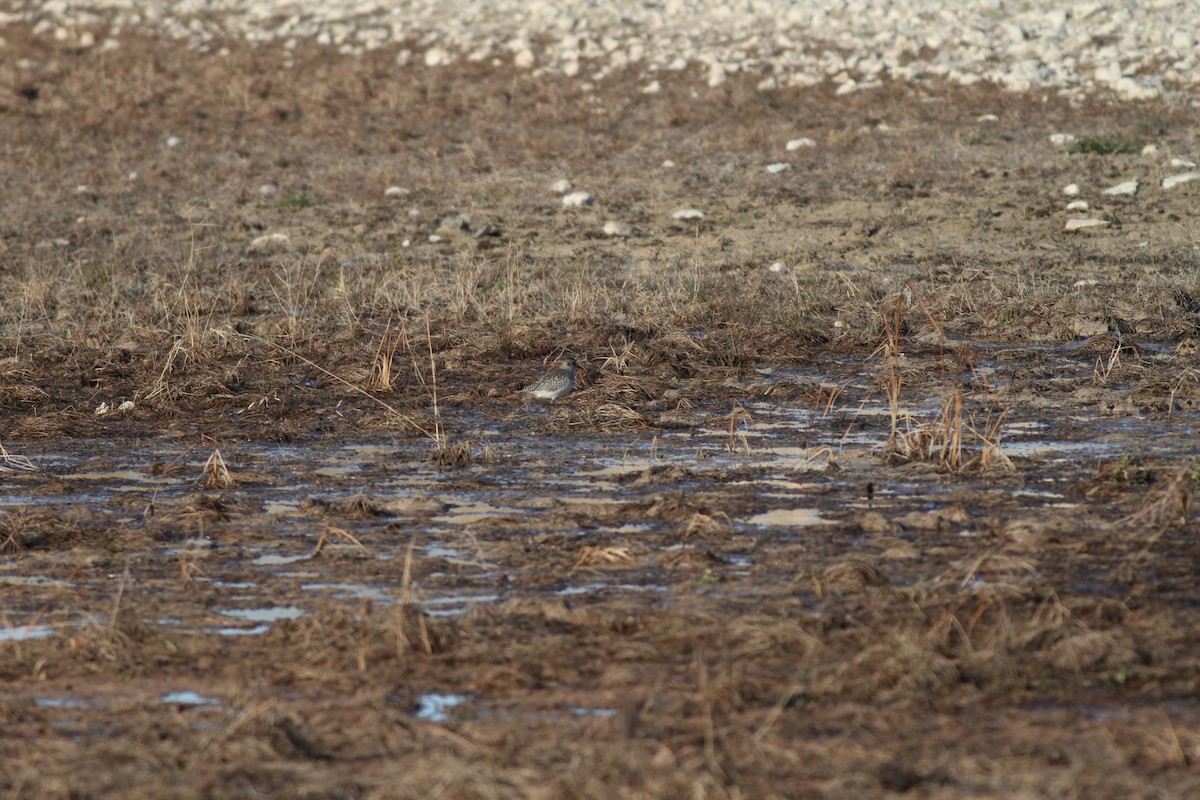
977, 140
297, 201
1103, 147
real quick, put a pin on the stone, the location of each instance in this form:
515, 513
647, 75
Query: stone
1080, 224
578, 200
1183, 177
1126, 188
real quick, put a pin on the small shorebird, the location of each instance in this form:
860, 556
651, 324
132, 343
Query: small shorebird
556, 383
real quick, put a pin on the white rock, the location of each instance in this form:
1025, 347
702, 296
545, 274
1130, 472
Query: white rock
434, 238
1149, 150
1107, 73
688, 213
987, 118
668, 164
653, 87
777, 266
1077, 205
1134, 89
436, 57
268, 190
126, 407
561, 186
768, 84
1183, 40
578, 200
1128, 187
1084, 283
271, 241
613, 228
174, 141
1175, 180
804, 141
1080, 224
1059, 139
133, 176
777, 168
397, 191
1182, 162
524, 59
1071, 190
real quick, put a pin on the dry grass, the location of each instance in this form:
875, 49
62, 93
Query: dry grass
850, 658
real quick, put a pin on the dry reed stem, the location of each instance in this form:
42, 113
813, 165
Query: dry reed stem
591, 556
407, 420
215, 474
738, 412
12, 463
331, 531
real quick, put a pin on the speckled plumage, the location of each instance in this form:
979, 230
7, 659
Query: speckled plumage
556, 383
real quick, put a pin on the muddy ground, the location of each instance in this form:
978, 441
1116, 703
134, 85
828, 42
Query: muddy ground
913, 516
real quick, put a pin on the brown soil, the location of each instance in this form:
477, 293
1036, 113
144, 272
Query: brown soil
914, 517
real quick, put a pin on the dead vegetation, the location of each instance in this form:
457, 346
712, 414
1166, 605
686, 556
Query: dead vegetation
608, 616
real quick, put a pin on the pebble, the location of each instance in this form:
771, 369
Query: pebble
1074, 47
1128, 187
688, 213
618, 229
1149, 150
777, 168
777, 266
174, 141
1080, 224
1175, 180
453, 222
397, 191
1060, 139
987, 118
804, 141
653, 87
271, 241
1071, 190
578, 200
268, 190
1182, 162
561, 186
1077, 205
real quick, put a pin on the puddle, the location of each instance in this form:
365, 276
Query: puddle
264, 616
789, 516
62, 702
594, 712
188, 698
355, 591
275, 560
26, 632
455, 605
33, 580
594, 588
433, 707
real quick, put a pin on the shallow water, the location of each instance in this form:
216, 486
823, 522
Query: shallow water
787, 470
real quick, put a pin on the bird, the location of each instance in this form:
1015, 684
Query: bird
556, 383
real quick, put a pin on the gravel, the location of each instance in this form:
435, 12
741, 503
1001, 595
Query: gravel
1137, 50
